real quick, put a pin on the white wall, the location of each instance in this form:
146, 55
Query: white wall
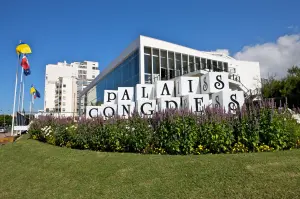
53, 72
69, 97
249, 73
64, 70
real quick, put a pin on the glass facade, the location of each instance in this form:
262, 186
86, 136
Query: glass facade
160, 64
126, 74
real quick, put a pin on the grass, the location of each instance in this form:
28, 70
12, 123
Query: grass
30, 169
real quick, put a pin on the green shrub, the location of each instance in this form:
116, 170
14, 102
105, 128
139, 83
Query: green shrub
253, 129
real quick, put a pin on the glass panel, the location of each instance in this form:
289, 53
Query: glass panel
164, 71
164, 74
220, 66
225, 67
148, 66
147, 78
155, 52
191, 63
178, 65
215, 66
155, 65
203, 63
185, 64
126, 74
209, 66
197, 63
171, 64
172, 73
171, 60
147, 50
163, 55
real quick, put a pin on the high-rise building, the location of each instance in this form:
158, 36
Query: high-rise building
64, 82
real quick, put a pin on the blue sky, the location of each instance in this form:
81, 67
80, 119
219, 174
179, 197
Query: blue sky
100, 30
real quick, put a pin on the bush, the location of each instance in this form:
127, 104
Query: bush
252, 129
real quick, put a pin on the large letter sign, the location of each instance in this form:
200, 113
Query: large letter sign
125, 94
168, 103
187, 86
146, 107
192, 93
196, 103
231, 101
144, 92
164, 89
110, 96
93, 111
213, 82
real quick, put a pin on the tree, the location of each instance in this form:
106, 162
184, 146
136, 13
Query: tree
288, 87
5, 120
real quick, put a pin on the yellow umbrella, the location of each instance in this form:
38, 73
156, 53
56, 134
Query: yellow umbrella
23, 48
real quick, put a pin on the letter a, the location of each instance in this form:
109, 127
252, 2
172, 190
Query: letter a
126, 93
165, 88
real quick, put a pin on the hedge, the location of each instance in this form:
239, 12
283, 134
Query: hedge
252, 129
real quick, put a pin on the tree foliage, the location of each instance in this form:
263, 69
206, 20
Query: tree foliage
5, 119
288, 86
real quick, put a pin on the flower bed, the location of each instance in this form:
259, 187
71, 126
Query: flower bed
253, 129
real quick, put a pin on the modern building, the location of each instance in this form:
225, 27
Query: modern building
147, 60
64, 82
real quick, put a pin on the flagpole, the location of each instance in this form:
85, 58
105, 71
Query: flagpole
22, 107
15, 96
20, 89
32, 102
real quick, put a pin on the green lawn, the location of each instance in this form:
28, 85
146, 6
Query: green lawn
30, 169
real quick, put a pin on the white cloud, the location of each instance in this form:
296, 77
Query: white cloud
274, 58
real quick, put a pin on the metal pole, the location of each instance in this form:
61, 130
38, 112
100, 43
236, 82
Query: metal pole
22, 106
20, 90
15, 96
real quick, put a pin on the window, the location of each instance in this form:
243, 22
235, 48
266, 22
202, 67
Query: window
191, 63
64, 86
64, 97
171, 64
203, 63
94, 68
220, 66
185, 64
178, 65
197, 59
215, 65
147, 59
225, 67
82, 76
209, 64
64, 91
163, 70
93, 76
82, 72
64, 103
82, 66
63, 110
155, 57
